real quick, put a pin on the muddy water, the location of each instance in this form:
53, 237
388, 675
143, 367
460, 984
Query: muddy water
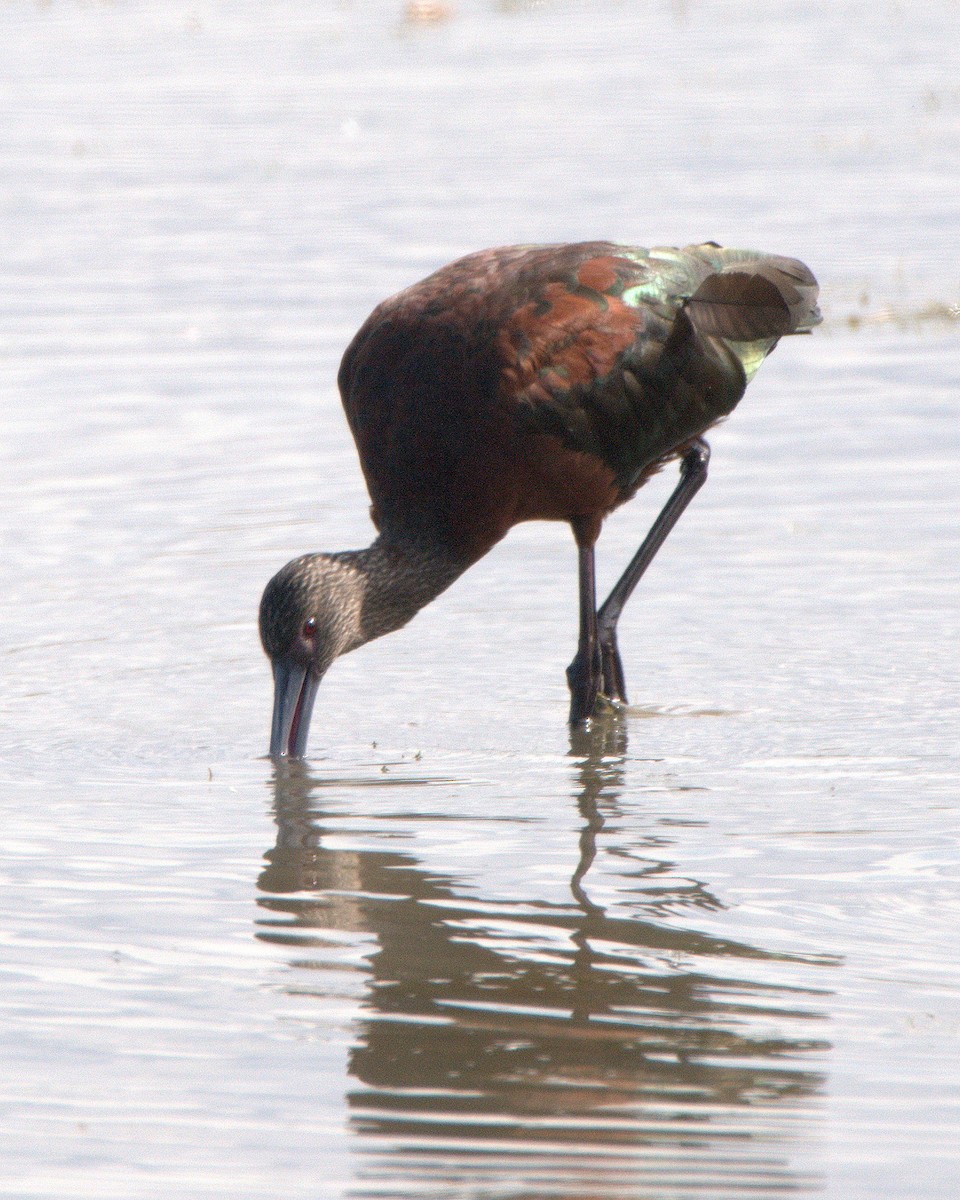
708, 949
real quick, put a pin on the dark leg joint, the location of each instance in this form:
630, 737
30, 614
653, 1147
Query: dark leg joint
695, 461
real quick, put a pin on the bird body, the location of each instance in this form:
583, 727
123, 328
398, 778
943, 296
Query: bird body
516, 384
532, 383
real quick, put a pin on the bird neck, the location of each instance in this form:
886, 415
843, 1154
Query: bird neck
397, 580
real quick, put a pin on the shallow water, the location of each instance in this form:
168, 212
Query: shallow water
708, 949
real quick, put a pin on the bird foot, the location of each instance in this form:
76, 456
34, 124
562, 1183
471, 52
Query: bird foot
583, 677
613, 685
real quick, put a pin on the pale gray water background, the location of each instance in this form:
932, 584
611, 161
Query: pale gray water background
712, 952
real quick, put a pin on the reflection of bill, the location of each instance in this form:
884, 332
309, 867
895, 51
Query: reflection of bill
558, 1041
955, 310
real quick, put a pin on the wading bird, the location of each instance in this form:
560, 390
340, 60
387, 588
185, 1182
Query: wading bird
519, 384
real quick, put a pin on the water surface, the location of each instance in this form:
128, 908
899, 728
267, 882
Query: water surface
708, 949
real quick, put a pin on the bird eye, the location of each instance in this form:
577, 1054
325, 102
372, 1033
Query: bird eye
309, 628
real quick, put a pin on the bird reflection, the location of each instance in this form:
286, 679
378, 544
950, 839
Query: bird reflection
500, 1027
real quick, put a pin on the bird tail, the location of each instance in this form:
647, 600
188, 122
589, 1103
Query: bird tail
749, 297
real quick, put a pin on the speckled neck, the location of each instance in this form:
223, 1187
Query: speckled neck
396, 580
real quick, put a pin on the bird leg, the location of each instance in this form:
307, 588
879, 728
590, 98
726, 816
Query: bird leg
693, 475
585, 672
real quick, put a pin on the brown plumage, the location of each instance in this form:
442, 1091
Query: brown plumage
517, 384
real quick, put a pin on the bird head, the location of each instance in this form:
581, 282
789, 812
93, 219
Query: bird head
308, 616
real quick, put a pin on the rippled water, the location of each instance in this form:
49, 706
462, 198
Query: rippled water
707, 950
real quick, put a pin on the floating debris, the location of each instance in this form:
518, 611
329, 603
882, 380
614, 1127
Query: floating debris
427, 12
904, 317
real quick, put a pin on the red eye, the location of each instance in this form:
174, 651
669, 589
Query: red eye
309, 629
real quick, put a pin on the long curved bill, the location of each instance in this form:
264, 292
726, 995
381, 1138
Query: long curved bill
294, 691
